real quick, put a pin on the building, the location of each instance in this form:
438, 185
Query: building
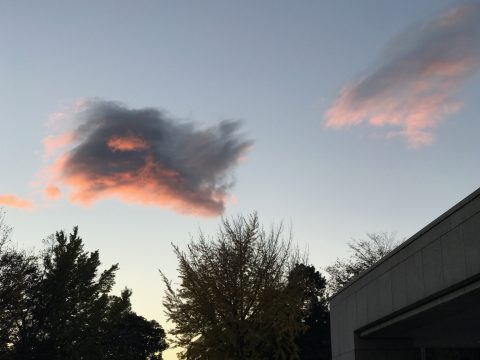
422, 301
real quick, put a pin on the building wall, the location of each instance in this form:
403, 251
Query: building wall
444, 253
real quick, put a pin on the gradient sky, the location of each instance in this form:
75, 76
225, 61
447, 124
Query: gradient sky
363, 117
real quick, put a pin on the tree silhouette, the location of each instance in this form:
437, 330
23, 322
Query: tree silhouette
71, 300
18, 273
234, 300
128, 336
314, 342
365, 253
62, 308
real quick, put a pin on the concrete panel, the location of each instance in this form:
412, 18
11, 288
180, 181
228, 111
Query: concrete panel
432, 261
453, 250
361, 316
343, 324
335, 333
432, 235
373, 300
385, 294
414, 272
350, 355
471, 229
468, 210
399, 287
351, 321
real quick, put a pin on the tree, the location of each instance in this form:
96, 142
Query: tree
70, 303
234, 300
129, 336
365, 253
314, 342
18, 273
58, 306
74, 316
5, 230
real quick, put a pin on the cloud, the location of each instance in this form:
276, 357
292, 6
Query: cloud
52, 192
14, 201
144, 156
52, 143
416, 84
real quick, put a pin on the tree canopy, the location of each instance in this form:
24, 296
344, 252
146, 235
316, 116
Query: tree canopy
240, 295
364, 253
314, 341
58, 305
18, 274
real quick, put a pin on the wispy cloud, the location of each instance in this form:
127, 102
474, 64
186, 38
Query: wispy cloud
416, 84
144, 156
14, 201
52, 143
52, 192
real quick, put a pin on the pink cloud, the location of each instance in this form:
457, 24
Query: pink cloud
416, 85
126, 143
52, 192
14, 201
145, 157
52, 143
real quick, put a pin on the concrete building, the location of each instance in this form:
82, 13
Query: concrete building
422, 301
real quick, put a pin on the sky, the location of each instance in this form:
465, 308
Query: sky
143, 122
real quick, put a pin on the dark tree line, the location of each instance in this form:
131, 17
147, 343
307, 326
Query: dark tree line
314, 342
57, 305
245, 293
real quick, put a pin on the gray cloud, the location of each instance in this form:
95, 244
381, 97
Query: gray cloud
146, 156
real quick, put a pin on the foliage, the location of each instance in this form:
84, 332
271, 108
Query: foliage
129, 336
365, 253
5, 230
235, 300
314, 343
59, 307
18, 271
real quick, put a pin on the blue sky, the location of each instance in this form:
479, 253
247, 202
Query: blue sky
278, 66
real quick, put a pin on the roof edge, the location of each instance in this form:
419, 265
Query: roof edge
411, 239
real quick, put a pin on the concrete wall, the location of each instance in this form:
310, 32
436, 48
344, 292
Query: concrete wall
443, 254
